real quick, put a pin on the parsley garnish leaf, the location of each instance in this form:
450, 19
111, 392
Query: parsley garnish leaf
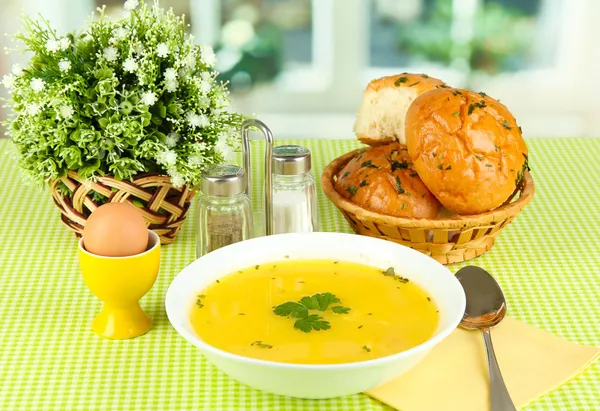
351, 190
338, 309
312, 322
324, 300
368, 163
300, 310
292, 309
399, 165
260, 344
390, 272
399, 188
400, 81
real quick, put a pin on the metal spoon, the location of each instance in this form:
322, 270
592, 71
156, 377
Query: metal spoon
486, 307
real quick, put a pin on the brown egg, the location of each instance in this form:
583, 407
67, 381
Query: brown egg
115, 230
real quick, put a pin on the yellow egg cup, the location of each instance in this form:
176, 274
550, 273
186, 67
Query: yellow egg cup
120, 282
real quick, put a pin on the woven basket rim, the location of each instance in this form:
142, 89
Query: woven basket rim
164, 210
507, 210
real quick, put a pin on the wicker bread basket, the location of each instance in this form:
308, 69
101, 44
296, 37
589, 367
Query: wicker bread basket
448, 240
163, 207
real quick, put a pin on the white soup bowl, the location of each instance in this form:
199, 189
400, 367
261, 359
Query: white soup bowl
307, 380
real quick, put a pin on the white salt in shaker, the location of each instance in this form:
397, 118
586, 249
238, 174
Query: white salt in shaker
294, 204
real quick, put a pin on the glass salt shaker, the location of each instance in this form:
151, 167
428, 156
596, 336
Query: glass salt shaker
294, 193
224, 211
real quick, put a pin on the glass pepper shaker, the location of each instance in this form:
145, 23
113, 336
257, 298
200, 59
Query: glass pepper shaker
294, 193
224, 210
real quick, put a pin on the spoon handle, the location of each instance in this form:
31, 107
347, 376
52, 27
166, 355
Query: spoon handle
499, 397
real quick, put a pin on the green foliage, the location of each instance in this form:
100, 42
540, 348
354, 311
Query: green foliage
501, 33
120, 98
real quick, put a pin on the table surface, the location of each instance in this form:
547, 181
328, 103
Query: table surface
547, 261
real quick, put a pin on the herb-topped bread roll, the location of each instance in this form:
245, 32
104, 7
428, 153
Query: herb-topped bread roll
383, 180
467, 149
381, 115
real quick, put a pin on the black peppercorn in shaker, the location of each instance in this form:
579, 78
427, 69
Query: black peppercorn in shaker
224, 212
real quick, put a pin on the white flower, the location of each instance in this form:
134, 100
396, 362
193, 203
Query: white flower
196, 160
176, 178
8, 81
110, 53
130, 65
224, 148
131, 4
202, 146
120, 33
197, 120
170, 74
65, 43
33, 109
190, 60
52, 45
222, 101
64, 65
66, 111
173, 138
149, 98
162, 50
208, 55
167, 157
205, 87
138, 48
171, 86
16, 69
204, 101
37, 84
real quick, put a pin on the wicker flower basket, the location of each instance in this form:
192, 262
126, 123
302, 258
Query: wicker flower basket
164, 207
448, 240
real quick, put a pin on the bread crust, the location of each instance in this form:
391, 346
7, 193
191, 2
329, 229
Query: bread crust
382, 179
420, 82
467, 148
380, 117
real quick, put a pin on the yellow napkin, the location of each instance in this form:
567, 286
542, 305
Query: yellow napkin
454, 375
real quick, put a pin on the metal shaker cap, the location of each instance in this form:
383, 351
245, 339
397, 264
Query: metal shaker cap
223, 180
291, 160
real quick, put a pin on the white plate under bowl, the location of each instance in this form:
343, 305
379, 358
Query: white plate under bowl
307, 380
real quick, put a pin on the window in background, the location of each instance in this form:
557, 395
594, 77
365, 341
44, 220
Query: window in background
302, 65
489, 36
258, 39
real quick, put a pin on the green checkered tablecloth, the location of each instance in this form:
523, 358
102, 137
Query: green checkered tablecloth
547, 261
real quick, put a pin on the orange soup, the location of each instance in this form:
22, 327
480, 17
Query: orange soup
314, 312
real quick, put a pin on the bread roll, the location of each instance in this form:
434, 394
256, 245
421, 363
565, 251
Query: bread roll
383, 180
380, 117
467, 149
